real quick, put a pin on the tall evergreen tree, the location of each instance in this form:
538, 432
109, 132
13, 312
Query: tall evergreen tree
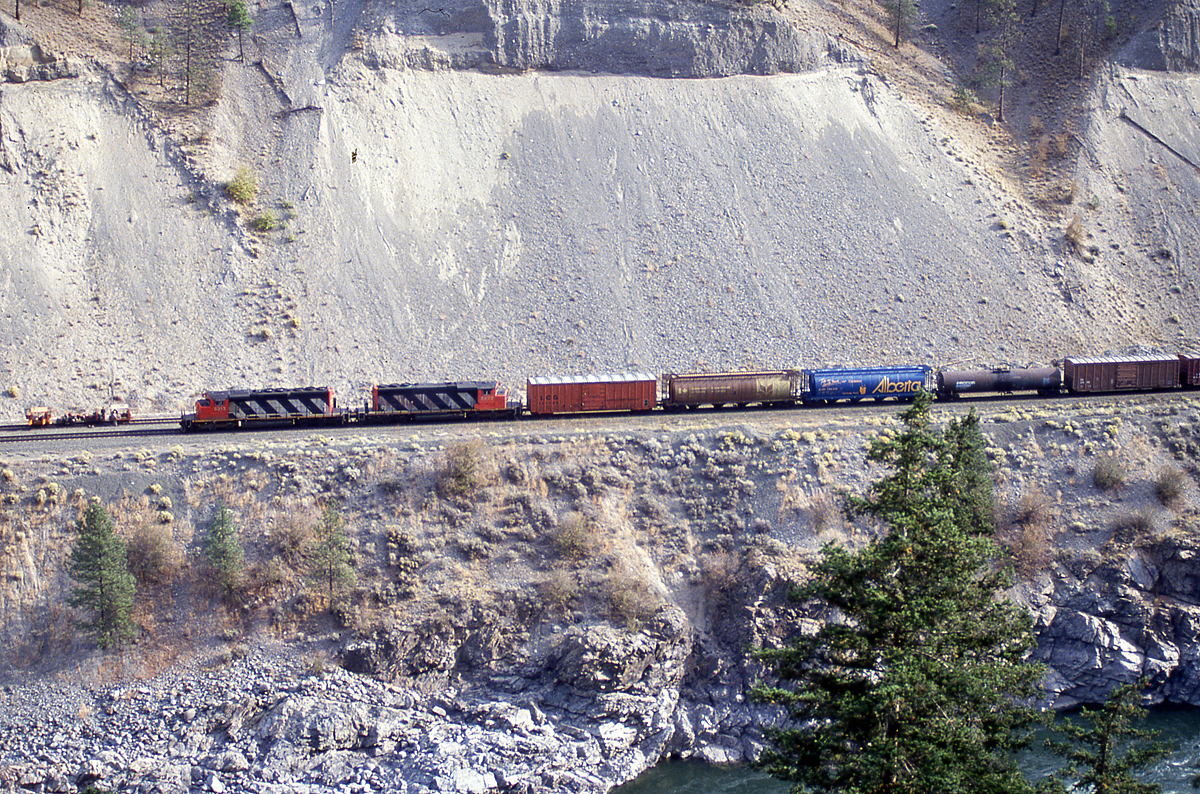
329, 557
996, 62
223, 551
917, 680
100, 564
974, 496
131, 28
161, 50
1104, 751
239, 19
902, 13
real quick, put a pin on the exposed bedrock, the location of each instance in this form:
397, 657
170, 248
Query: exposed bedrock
1129, 618
649, 38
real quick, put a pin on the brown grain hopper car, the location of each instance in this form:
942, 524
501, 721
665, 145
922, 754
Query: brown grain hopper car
625, 391
731, 388
1121, 373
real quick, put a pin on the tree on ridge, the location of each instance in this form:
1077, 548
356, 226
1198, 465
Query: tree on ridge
100, 564
917, 680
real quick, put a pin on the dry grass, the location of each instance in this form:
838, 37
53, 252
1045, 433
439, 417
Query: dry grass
574, 538
1109, 473
1027, 532
1169, 484
155, 557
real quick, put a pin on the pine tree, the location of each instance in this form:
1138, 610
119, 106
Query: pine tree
223, 551
131, 28
239, 19
329, 558
100, 564
996, 58
1103, 752
902, 13
161, 49
917, 680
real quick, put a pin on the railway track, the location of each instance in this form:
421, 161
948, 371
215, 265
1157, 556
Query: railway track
657, 421
137, 428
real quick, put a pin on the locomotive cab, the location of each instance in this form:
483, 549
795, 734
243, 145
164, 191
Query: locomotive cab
492, 398
212, 407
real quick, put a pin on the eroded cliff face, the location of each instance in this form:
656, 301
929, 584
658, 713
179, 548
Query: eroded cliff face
508, 190
1130, 618
1170, 42
653, 39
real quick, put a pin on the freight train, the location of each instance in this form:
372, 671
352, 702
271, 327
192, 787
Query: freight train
643, 392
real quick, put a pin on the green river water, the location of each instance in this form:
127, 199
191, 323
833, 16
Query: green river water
1179, 729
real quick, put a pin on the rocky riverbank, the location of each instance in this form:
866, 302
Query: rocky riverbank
270, 722
560, 614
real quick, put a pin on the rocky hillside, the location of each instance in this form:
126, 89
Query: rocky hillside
486, 189
558, 614
475, 190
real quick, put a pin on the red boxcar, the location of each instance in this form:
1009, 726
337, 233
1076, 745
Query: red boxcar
573, 394
1121, 373
1189, 371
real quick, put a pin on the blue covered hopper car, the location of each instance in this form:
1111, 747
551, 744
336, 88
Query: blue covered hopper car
865, 383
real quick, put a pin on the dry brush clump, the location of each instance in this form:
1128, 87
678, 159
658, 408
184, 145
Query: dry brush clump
1129, 529
468, 470
1027, 532
721, 572
631, 599
1109, 473
292, 536
243, 188
558, 591
1169, 484
155, 557
1075, 234
574, 537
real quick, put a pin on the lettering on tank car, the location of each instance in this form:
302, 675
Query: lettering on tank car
964, 384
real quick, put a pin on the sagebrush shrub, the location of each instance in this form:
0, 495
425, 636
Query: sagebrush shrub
264, 222
1109, 473
243, 188
154, 556
572, 540
466, 470
1169, 484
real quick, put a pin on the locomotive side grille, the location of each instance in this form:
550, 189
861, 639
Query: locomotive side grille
429, 399
272, 406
